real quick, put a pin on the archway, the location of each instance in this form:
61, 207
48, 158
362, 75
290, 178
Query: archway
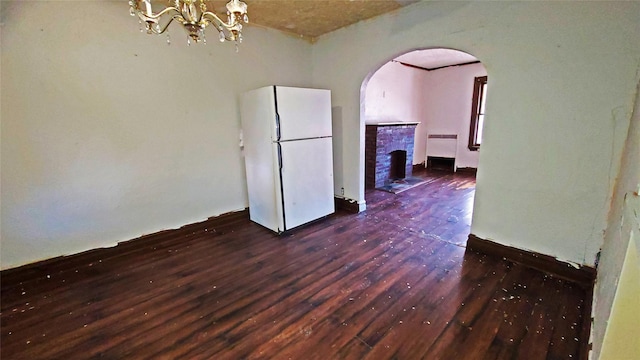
434, 88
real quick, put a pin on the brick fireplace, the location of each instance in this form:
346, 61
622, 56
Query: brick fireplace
388, 153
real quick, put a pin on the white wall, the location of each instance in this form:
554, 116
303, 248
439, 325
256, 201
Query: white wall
108, 134
562, 76
448, 95
395, 93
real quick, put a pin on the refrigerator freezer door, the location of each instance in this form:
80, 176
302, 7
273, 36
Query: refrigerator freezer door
302, 113
307, 180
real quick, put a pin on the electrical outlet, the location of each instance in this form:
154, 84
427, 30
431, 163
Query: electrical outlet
342, 191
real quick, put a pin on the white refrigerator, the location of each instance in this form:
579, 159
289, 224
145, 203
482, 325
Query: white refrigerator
286, 135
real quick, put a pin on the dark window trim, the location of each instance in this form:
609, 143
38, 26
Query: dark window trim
475, 112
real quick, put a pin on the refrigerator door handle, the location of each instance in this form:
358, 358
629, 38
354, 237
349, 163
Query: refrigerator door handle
275, 100
284, 217
278, 133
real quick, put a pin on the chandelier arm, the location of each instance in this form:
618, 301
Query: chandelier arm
145, 17
227, 37
217, 21
194, 21
161, 31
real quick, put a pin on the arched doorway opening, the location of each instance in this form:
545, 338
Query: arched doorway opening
435, 90
430, 104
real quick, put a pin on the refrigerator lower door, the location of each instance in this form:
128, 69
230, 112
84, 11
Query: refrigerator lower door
263, 183
257, 109
307, 180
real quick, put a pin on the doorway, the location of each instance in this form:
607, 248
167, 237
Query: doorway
435, 89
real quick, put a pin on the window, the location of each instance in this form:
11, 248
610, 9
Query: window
477, 112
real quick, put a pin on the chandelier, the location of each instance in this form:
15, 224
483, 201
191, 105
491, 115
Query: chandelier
194, 17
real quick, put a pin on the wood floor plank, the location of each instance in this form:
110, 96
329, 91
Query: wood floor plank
364, 300
340, 293
433, 320
394, 282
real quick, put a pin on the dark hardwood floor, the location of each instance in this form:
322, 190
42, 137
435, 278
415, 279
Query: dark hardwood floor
393, 282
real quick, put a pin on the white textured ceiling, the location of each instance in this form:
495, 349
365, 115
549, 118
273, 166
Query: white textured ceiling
309, 19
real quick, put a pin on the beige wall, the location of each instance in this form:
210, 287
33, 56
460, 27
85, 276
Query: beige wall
618, 249
563, 76
108, 134
621, 341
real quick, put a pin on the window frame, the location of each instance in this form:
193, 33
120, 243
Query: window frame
479, 93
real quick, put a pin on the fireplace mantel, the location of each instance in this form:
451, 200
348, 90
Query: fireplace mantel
394, 123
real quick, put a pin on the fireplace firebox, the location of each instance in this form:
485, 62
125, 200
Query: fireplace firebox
388, 153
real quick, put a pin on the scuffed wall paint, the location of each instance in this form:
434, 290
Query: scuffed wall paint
621, 340
622, 222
